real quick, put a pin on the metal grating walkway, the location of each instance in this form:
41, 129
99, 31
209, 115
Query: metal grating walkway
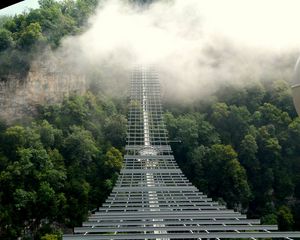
152, 198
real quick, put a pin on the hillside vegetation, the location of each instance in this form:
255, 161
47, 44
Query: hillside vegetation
243, 148
56, 169
23, 35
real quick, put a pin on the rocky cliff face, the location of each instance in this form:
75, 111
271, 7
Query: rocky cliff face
21, 96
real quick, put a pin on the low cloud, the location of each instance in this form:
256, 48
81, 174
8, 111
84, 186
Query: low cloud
196, 45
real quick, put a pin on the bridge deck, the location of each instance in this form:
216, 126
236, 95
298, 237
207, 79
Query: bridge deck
152, 198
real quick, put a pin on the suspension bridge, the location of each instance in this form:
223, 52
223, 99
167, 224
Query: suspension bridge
152, 198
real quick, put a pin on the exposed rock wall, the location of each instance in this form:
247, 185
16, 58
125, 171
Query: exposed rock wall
21, 96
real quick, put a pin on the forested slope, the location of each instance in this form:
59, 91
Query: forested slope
56, 168
243, 148
24, 35
60, 166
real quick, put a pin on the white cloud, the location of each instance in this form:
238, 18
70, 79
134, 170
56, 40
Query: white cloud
196, 44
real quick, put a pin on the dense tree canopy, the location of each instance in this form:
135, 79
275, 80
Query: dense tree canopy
243, 148
56, 169
23, 34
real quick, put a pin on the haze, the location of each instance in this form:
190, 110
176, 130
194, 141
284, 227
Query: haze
197, 45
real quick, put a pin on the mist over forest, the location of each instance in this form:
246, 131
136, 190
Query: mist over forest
225, 74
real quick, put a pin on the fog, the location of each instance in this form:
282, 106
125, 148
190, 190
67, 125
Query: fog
196, 45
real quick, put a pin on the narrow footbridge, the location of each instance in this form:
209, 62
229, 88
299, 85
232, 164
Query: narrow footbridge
152, 198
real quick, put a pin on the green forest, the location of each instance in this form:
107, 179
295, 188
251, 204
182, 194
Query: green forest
242, 148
